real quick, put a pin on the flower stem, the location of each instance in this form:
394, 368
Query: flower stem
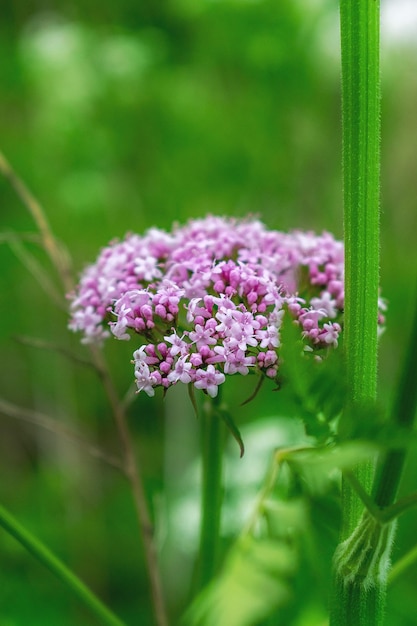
353, 602
212, 492
47, 558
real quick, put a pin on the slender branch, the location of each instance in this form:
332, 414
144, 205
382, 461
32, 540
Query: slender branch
35, 268
57, 567
48, 423
35, 342
59, 259
62, 265
129, 397
132, 471
30, 237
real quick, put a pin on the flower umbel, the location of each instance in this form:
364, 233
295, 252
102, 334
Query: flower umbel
208, 299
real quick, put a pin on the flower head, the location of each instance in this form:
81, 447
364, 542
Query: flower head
209, 298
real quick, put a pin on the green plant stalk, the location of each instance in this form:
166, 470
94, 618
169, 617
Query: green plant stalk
211, 493
374, 534
47, 558
361, 178
352, 603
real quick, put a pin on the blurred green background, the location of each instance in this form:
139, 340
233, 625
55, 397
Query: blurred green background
121, 116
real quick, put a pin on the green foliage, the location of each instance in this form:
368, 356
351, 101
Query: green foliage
259, 568
258, 576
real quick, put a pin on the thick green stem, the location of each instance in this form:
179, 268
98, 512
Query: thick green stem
355, 603
47, 558
212, 492
361, 160
362, 560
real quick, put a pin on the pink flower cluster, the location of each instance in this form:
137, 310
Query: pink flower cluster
208, 299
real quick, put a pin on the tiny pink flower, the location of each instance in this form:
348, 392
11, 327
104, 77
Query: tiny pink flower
202, 336
179, 346
182, 371
330, 334
145, 381
209, 380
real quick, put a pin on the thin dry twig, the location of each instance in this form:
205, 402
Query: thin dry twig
35, 342
129, 397
35, 268
132, 466
48, 423
59, 258
133, 473
30, 237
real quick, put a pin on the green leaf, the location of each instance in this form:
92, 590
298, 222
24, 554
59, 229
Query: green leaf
257, 576
317, 466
